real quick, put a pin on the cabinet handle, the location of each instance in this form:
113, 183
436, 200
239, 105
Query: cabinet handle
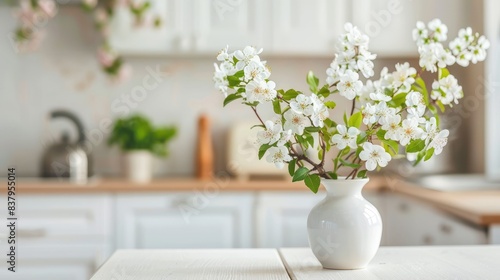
32, 233
445, 228
428, 240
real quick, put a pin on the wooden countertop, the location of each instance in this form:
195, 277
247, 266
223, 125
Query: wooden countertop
452, 262
479, 207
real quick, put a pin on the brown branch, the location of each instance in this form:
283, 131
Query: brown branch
255, 111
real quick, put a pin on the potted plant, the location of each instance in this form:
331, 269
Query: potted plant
139, 140
397, 112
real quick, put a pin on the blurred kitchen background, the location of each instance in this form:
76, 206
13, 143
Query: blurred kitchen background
66, 234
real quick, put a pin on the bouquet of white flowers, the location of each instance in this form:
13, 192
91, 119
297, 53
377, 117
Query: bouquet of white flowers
397, 110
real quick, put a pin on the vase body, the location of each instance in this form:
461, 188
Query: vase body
344, 228
138, 166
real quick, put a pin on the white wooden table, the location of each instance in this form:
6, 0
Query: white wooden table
453, 262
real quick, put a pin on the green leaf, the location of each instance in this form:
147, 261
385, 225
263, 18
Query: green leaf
309, 138
324, 91
263, 149
420, 156
233, 80
398, 100
312, 182
329, 123
391, 147
230, 98
356, 119
349, 164
381, 134
312, 81
276, 106
441, 106
312, 129
257, 125
362, 174
443, 73
300, 174
291, 166
345, 119
428, 154
333, 175
415, 146
423, 89
290, 94
330, 104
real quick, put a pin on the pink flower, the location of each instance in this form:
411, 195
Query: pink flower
105, 57
49, 7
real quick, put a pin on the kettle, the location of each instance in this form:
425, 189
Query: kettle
66, 159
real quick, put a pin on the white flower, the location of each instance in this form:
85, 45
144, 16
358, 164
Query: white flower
383, 113
465, 34
438, 29
447, 90
319, 116
349, 85
228, 67
416, 104
365, 66
444, 57
256, 70
223, 55
285, 137
428, 57
458, 45
345, 137
368, 113
248, 54
431, 130
393, 128
374, 155
464, 58
439, 141
333, 73
302, 104
271, 133
420, 34
354, 37
278, 156
403, 77
220, 80
295, 122
410, 131
365, 92
378, 95
260, 91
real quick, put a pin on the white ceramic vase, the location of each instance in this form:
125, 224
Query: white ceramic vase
344, 228
138, 166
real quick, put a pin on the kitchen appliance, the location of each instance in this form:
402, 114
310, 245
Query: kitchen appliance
66, 159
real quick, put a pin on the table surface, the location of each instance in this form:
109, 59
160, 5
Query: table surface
448, 262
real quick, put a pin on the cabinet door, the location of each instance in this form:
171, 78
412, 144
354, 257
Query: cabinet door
411, 222
281, 218
184, 220
237, 23
56, 261
305, 27
389, 23
171, 37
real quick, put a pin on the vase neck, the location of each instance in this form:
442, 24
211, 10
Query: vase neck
343, 187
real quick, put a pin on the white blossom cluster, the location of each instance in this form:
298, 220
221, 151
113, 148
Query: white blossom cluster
353, 57
254, 76
396, 111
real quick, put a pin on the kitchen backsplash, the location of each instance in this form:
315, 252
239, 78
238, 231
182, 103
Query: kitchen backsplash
64, 74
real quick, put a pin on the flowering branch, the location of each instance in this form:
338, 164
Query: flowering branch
396, 112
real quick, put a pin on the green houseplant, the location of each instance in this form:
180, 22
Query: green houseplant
139, 139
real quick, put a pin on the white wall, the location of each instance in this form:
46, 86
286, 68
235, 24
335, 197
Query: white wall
64, 74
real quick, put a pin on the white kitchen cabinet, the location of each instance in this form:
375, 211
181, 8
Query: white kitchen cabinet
237, 23
305, 27
412, 222
389, 23
184, 220
173, 36
281, 218
59, 236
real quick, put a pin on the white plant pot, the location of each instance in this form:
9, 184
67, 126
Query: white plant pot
138, 166
344, 228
